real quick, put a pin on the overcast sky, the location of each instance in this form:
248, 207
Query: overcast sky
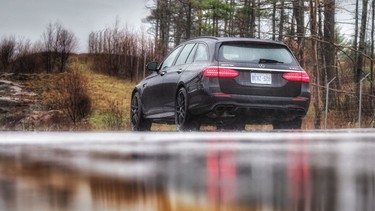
28, 18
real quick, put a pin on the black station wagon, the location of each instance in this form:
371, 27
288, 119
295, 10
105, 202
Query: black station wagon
227, 82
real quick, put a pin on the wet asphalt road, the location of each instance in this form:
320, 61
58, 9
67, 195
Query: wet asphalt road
311, 170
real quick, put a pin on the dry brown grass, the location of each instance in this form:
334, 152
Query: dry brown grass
104, 92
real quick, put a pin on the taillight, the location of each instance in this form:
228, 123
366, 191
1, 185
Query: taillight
218, 72
298, 77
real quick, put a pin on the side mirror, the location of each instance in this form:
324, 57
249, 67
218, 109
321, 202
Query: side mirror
152, 66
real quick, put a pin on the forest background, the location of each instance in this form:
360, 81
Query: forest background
92, 90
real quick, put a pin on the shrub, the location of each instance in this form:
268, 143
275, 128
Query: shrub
114, 120
71, 96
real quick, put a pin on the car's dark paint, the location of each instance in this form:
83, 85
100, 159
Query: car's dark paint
151, 87
224, 101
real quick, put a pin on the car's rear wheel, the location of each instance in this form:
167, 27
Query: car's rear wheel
138, 122
183, 119
290, 124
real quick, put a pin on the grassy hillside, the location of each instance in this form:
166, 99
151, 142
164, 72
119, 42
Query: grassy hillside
109, 95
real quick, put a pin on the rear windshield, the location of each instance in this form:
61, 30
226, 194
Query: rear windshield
255, 53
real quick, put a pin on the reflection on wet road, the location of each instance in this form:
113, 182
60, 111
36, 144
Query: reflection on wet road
188, 171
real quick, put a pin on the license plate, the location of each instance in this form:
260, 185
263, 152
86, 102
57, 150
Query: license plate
261, 78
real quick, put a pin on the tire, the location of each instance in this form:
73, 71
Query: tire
183, 119
291, 124
138, 122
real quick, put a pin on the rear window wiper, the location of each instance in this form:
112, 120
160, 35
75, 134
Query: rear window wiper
269, 61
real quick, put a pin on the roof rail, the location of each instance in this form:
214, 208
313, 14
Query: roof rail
236, 38
204, 37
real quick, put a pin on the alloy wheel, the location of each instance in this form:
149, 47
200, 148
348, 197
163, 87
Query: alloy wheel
135, 111
180, 108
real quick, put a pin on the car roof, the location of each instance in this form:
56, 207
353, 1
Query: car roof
234, 39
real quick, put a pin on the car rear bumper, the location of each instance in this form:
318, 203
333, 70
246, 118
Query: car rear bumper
251, 109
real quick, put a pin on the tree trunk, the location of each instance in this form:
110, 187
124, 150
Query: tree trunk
258, 8
189, 21
274, 20
372, 45
361, 46
281, 23
355, 44
329, 38
372, 60
231, 18
252, 20
164, 26
298, 13
320, 56
200, 21
315, 67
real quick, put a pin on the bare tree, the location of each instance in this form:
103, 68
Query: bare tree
7, 51
282, 18
355, 42
47, 47
372, 44
120, 52
298, 14
329, 38
26, 57
67, 43
58, 44
313, 4
361, 46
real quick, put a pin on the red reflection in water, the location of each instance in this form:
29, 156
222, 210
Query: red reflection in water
221, 171
299, 178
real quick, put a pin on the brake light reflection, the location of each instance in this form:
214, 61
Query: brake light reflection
299, 180
221, 171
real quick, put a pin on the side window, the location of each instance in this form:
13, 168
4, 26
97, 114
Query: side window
202, 53
191, 55
170, 58
184, 54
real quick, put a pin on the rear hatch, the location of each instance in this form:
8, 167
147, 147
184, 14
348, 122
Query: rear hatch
264, 69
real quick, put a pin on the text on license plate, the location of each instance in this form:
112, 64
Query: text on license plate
261, 78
